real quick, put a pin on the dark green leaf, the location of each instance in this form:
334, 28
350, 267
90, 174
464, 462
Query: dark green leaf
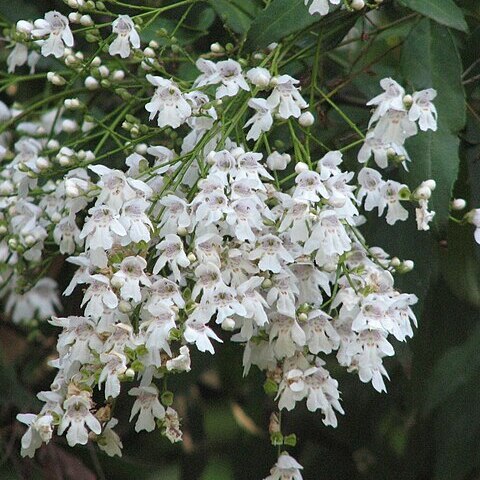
444, 12
280, 19
235, 14
455, 369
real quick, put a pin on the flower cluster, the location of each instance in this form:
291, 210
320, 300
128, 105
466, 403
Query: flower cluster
187, 242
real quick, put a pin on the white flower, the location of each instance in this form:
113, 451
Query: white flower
321, 334
309, 186
168, 102
124, 27
39, 431
473, 217
244, 217
156, 328
320, 6
135, 221
164, 292
391, 193
181, 363
423, 215
147, 406
254, 304
67, 235
199, 333
371, 183
226, 304
109, 441
424, 110
270, 254
392, 98
283, 294
176, 215
328, 164
132, 274
328, 236
171, 424
259, 76
99, 296
287, 98
115, 364
172, 253
286, 468
42, 301
262, 121
100, 228
55, 25
395, 127
323, 394
286, 335
77, 415
278, 161
231, 76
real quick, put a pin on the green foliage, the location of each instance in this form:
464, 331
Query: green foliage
280, 19
445, 12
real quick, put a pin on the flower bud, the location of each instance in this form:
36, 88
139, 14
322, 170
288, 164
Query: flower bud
357, 4
408, 265
306, 119
395, 262
24, 27
153, 44
278, 161
301, 167
42, 163
422, 193
74, 17
91, 83
408, 100
191, 257
431, 184
55, 217
69, 125
118, 75
216, 48
259, 76
182, 231
103, 71
123, 305
228, 324
458, 204
149, 52
303, 317
53, 144
129, 373
86, 20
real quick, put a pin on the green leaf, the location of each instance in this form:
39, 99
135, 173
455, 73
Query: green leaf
280, 19
430, 59
444, 12
454, 370
235, 14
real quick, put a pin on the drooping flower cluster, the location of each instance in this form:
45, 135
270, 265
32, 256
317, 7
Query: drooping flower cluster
191, 239
393, 121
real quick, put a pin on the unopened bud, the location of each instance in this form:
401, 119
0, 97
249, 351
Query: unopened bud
228, 324
301, 167
91, 83
216, 48
357, 4
458, 204
306, 119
